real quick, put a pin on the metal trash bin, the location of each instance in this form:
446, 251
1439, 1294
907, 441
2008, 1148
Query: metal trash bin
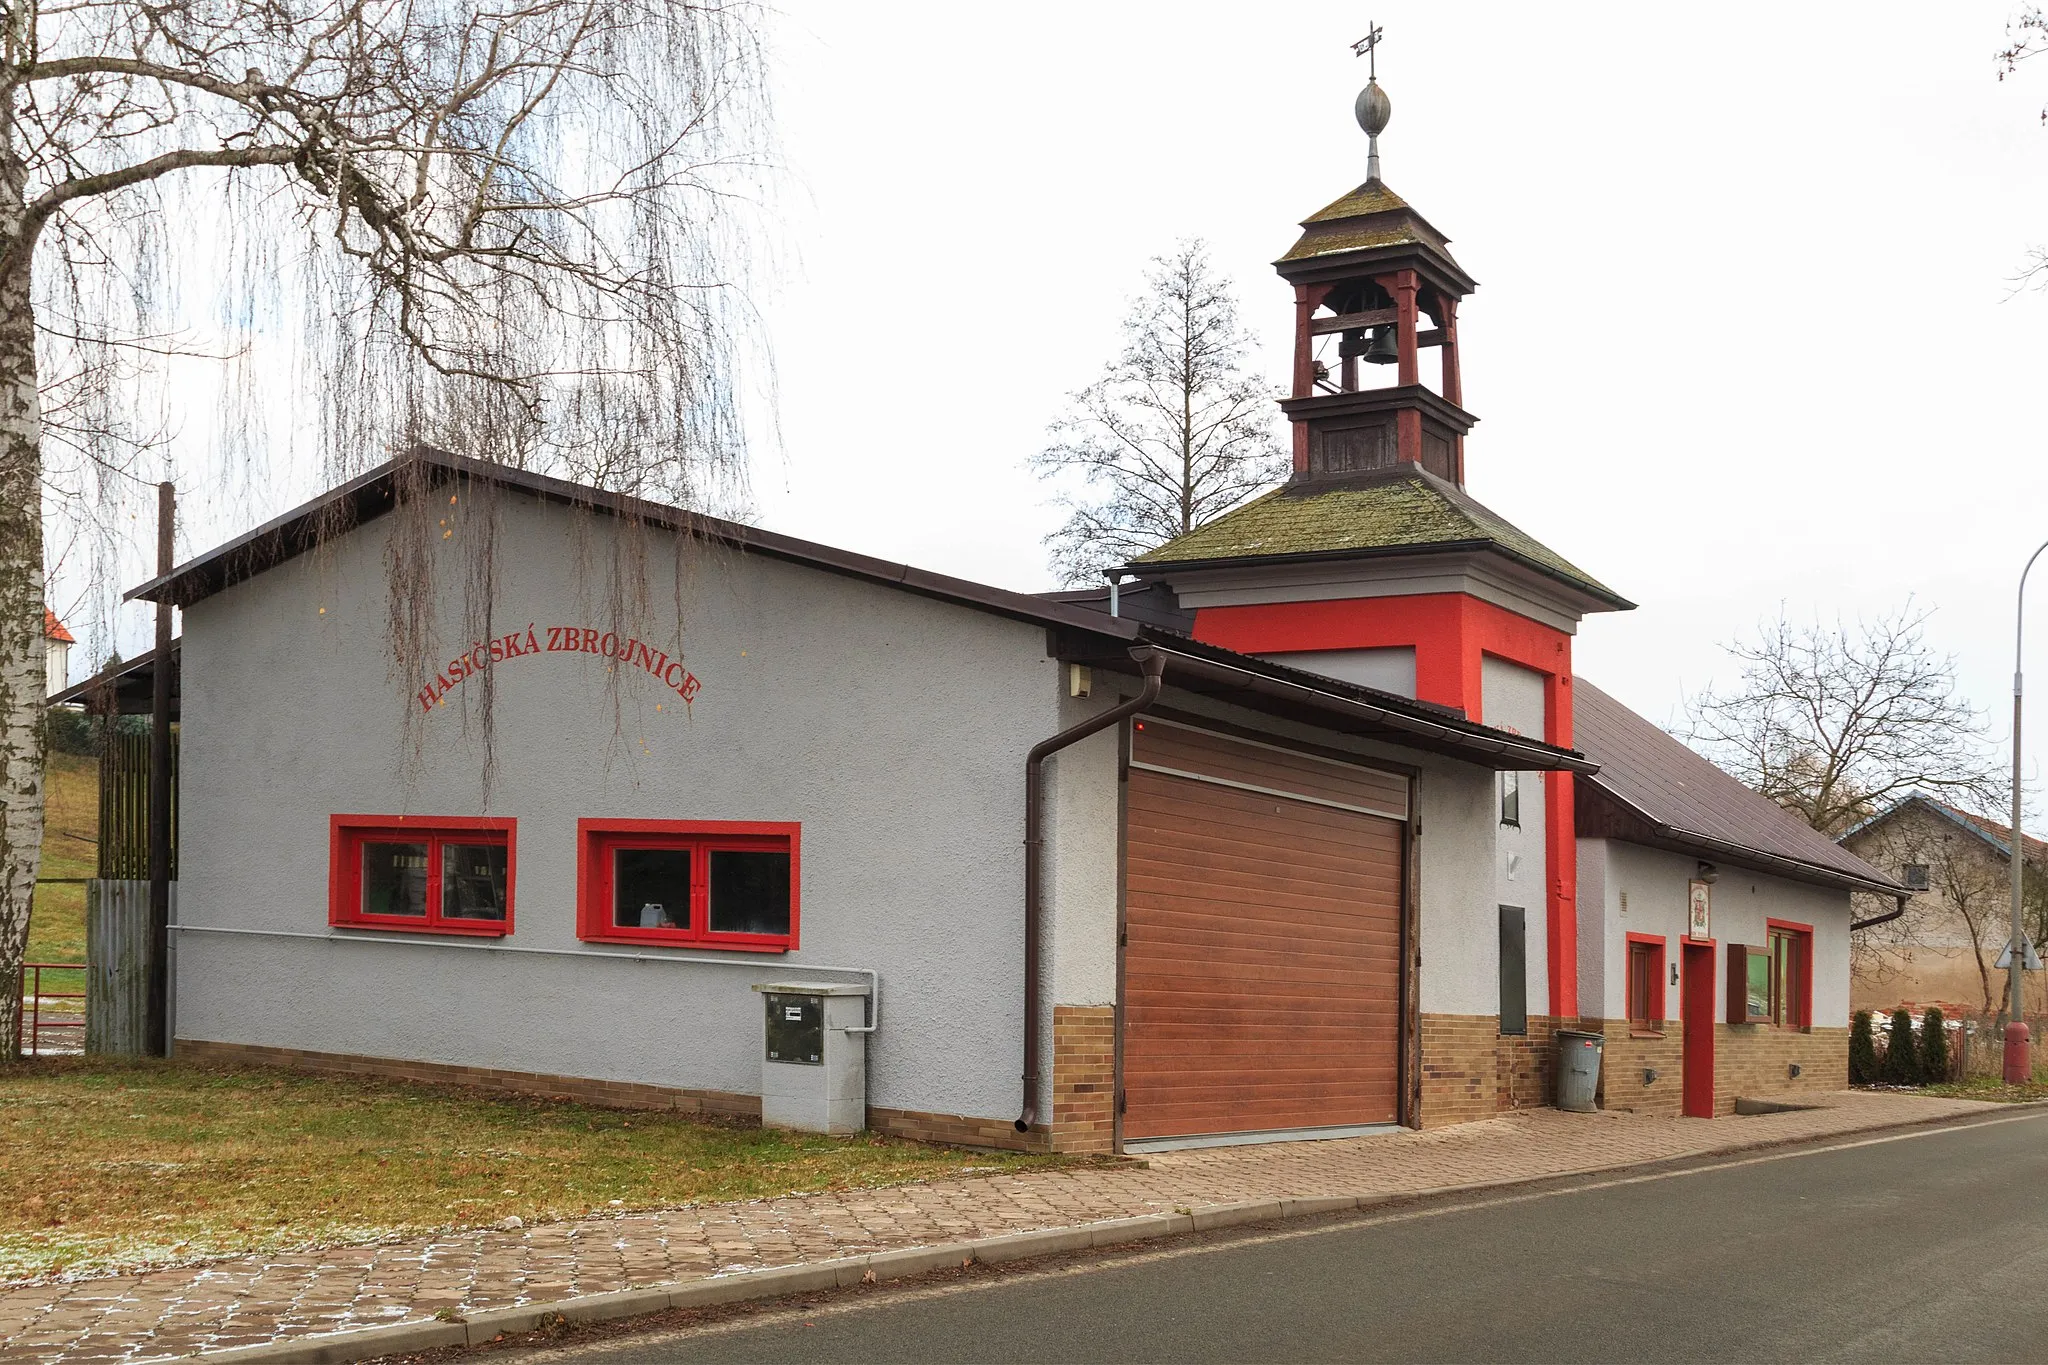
1578, 1069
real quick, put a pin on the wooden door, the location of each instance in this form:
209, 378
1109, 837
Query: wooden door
1263, 898
1696, 1014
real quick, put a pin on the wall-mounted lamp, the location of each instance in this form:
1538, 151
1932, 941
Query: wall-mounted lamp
1709, 873
1649, 1075
1794, 1070
1674, 973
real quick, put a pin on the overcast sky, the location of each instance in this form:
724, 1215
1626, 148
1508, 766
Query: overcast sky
1746, 333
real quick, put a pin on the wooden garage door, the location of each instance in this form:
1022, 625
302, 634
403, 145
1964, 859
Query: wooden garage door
1262, 957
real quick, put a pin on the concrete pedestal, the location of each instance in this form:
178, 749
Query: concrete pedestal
814, 1074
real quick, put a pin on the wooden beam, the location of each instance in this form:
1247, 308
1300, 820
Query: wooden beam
1350, 322
1433, 337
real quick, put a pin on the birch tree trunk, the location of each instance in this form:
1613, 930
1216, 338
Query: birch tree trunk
22, 645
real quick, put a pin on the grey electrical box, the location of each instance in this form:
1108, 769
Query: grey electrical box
814, 1074
796, 1028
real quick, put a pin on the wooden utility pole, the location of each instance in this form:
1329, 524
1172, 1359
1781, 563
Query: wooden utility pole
159, 975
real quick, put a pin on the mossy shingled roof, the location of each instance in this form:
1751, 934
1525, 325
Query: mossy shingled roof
1408, 509
1369, 216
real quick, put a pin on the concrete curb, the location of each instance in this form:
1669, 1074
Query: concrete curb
403, 1338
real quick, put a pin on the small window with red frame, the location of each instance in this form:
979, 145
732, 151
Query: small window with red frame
439, 876
710, 884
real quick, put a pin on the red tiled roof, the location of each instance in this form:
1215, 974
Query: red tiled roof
2037, 849
53, 629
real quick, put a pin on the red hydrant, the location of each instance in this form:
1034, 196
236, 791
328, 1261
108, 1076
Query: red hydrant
2019, 1061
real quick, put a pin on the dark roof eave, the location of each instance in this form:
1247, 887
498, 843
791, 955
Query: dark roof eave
287, 536
1473, 742
1158, 567
1795, 869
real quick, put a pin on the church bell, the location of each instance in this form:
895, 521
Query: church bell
1382, 349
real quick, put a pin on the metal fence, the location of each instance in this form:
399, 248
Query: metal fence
49, 1012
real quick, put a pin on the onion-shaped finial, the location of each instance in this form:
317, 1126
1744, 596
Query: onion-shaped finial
1374, 109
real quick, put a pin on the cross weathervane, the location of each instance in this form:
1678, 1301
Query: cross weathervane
1368, 47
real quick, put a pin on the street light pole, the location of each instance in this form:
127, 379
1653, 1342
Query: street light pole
2018, 1054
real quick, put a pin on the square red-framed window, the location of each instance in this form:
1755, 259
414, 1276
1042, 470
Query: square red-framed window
1645, 984
689, 883
446, 874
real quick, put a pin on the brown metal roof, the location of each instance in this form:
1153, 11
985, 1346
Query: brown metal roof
1692, 804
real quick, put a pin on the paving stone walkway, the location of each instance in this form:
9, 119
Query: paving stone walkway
253, 1299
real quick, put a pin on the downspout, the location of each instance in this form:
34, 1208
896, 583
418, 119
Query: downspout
1876, 920
1154, 664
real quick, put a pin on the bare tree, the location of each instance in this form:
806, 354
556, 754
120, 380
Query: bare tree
1834, 723
2026, 36
1173, 433
494, 227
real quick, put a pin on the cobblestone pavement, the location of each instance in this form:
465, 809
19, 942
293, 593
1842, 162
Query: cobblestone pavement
258, 1298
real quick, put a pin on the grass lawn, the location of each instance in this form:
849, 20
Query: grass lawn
1991, 1088
56, 925
107, 1166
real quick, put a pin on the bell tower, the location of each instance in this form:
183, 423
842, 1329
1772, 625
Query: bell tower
1373, 565
1367, 273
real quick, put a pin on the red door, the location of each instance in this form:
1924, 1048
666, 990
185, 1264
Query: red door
1696, 1005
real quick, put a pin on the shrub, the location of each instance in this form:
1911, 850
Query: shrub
1933, 1047
1901, 1064
1862, 1051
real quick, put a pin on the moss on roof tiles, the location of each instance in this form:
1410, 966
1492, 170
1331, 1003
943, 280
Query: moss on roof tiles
1409, 509
1371, 197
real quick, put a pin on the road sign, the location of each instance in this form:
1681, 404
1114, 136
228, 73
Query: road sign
2030, 961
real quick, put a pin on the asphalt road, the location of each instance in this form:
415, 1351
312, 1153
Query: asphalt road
1930, 1246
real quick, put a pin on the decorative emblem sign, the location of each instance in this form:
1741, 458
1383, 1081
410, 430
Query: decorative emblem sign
1697, 922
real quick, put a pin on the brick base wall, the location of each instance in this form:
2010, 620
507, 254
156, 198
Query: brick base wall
1754, 1061
1083, 1078
586, 1090
952, 1129
1469, 1071
956, 1130
1624, 1060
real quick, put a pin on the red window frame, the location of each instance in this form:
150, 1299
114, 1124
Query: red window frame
1651, 1022
1791, 1001
596, 839
348, 833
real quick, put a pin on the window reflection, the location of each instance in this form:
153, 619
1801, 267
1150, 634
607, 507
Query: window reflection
395, 879
473, 881
749, 892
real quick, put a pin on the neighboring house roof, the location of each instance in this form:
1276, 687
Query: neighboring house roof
1664, 794
126, 685
1997, 836
1400, 511
53, 629
1077, 631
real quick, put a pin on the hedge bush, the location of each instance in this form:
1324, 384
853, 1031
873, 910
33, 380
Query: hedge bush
1901, 1065
1862, 1050
1933, 1047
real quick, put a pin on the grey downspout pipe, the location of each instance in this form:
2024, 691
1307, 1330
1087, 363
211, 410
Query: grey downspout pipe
1154, 664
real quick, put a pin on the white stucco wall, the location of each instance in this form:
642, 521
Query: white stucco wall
893, 727
1655, 883
1390, 670
1512, 699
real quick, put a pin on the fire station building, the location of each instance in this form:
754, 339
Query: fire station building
1307, 828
